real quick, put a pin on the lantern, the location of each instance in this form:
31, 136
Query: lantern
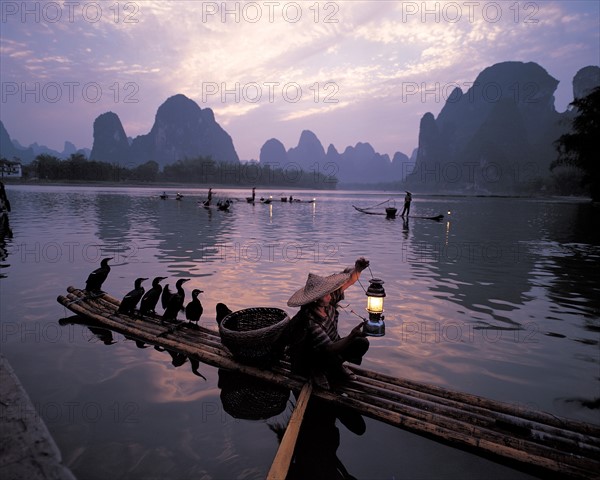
374, 326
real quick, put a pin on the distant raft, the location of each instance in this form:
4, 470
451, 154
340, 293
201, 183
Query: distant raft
390, 212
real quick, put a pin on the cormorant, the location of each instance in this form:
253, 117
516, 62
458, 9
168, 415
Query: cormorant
130, 300
151, 297
176, 301
166, 296
224, 205
251, 199
194, 309
97, 277
222, 311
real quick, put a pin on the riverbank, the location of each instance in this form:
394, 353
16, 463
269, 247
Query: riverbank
28, 450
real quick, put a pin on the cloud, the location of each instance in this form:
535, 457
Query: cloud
361, 53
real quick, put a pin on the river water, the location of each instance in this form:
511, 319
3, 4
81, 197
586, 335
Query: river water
500, 299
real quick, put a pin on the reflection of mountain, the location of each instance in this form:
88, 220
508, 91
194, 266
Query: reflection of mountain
188, 233
483, 263
113, 213
491, 261
572, 287
185, 235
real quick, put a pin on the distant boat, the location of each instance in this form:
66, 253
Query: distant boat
390, 212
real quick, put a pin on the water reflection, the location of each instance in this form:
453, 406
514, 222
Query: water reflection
521, 267
105, 335
485, 262
5, 230
248, 398
315, 456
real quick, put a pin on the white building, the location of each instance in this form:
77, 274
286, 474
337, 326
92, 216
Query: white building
10, 169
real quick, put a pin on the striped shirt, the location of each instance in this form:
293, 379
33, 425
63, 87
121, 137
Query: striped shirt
323, 331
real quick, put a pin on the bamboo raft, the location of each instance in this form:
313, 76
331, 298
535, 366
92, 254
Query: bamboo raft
529, 440
391, 213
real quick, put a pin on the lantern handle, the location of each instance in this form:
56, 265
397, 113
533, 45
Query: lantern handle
359, 316
353, 312
369, 267
359, 282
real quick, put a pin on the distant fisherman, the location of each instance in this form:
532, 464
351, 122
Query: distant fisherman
407, 200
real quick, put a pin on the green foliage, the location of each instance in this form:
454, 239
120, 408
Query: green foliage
147, 172
76, 167
206, 171
580, 147
201, 170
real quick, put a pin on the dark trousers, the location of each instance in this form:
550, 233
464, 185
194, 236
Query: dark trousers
353, 353
305, 361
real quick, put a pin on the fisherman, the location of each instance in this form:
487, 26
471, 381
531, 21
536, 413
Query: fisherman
407, 200
316, 348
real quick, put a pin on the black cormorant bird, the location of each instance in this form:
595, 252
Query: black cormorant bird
152, 296
222, 311
175, 304
166, 296
194, 309
97, 277
131, 300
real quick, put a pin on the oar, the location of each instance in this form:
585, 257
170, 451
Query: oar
283, 458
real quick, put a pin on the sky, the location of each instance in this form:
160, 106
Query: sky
350, 71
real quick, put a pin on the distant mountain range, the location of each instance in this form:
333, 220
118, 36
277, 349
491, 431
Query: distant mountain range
360, 164
181, 130
10, 149
497, 135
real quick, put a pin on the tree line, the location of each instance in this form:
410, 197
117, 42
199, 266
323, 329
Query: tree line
202, 170
579, 148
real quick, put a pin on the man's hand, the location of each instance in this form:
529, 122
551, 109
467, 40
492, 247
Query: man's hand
357, 331
361, 264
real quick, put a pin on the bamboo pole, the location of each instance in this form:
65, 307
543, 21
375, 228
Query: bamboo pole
542, 417
500, 439
283, 458
535, 432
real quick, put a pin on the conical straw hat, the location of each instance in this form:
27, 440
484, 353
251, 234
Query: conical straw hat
317, 287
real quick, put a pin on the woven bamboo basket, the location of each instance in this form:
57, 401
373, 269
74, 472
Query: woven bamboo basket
247, 398
255, 335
